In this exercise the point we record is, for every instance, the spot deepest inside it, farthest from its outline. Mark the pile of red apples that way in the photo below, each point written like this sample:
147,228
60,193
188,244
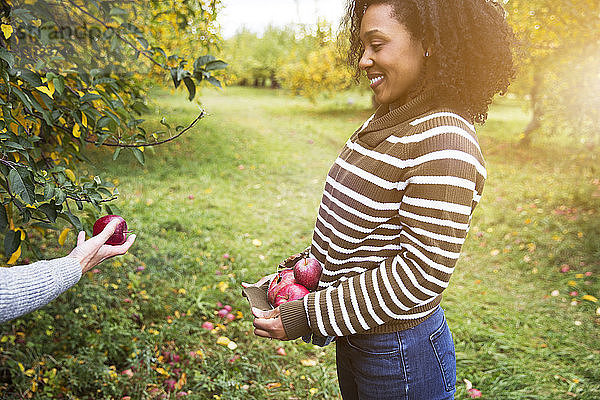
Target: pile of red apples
294,283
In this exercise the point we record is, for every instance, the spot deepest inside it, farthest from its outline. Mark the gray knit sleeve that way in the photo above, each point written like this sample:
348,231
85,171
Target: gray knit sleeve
25,288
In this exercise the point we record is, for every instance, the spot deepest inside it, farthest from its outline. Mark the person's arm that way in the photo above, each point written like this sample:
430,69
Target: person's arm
435,214
26,288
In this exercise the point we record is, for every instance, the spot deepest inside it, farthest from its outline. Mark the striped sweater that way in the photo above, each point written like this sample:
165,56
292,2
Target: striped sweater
395,212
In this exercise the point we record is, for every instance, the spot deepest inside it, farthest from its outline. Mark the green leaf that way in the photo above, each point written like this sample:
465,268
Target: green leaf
49,210
17,186
12,241
89,97
214,81
73,220
48,191
24,98
175,76
59,196
116,153
139,155
163,121
143,41
7,56
191,87
3,218
214,65
102,122
29,76
116,11
160,50
203,60
59,85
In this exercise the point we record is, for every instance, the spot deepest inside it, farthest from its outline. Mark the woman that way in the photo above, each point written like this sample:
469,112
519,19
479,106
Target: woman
26,288
399,199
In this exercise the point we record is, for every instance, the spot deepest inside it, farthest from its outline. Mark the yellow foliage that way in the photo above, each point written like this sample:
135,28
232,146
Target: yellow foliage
15,256
70,175
322,71
7,30
63,236
76,131
47,90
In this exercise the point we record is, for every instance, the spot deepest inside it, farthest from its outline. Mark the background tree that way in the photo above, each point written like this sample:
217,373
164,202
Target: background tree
322,69
308,60
559,55
67,86
257,61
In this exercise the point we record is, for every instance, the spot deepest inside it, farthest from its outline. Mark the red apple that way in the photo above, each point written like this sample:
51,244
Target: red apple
284,278
290,292
307,272
120,234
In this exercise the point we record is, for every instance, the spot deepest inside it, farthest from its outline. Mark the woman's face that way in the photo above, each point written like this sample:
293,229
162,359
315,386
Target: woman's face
391,59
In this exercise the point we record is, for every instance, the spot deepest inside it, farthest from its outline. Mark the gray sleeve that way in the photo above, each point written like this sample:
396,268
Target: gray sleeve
25,288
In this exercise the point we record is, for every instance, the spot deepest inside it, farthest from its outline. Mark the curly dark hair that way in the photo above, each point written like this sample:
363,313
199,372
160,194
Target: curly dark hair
469,42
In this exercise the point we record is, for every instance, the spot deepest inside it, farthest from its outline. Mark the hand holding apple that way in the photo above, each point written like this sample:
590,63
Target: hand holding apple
93,251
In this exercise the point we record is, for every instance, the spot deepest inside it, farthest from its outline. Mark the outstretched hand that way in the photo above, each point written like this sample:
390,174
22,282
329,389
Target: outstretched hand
93,251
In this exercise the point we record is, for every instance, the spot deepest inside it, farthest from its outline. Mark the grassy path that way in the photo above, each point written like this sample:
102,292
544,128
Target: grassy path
226,203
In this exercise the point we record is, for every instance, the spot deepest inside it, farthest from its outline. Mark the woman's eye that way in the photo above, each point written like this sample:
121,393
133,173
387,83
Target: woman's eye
376,46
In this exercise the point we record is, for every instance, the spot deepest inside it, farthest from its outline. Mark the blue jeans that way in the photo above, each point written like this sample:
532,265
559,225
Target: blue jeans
416,364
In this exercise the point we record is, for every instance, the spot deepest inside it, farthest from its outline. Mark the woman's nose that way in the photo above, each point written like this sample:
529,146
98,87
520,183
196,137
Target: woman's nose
365,61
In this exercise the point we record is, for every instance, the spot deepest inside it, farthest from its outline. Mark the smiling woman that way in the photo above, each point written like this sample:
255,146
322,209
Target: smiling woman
399,199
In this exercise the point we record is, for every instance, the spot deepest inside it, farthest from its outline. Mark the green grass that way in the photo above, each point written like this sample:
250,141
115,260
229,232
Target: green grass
246,183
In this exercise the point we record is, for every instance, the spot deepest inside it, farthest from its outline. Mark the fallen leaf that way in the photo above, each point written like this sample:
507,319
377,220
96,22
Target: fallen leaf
223,340
589,298
273,385
310,362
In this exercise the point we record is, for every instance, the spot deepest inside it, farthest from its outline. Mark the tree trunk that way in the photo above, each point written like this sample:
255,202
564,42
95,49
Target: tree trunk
274,82
536,107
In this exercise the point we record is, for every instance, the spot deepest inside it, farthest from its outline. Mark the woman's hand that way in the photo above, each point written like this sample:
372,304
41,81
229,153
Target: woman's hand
93,251
268,324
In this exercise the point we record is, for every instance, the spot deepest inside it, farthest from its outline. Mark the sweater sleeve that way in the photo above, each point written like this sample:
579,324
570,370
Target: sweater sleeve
25,288
435,212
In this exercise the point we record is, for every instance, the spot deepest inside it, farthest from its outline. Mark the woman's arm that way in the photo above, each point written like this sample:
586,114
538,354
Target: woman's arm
25,288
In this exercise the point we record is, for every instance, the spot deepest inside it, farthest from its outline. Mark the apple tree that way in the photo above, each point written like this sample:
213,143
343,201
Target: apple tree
74,77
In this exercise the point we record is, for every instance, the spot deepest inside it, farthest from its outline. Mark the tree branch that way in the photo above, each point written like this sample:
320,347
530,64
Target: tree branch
199,117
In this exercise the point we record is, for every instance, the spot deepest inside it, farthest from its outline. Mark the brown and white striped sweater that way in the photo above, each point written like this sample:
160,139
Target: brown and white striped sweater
394,214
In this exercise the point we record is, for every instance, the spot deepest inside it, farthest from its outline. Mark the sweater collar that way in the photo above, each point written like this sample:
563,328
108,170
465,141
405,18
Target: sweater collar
393,114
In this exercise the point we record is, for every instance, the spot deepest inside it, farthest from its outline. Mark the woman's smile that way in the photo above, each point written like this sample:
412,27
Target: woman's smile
375,80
